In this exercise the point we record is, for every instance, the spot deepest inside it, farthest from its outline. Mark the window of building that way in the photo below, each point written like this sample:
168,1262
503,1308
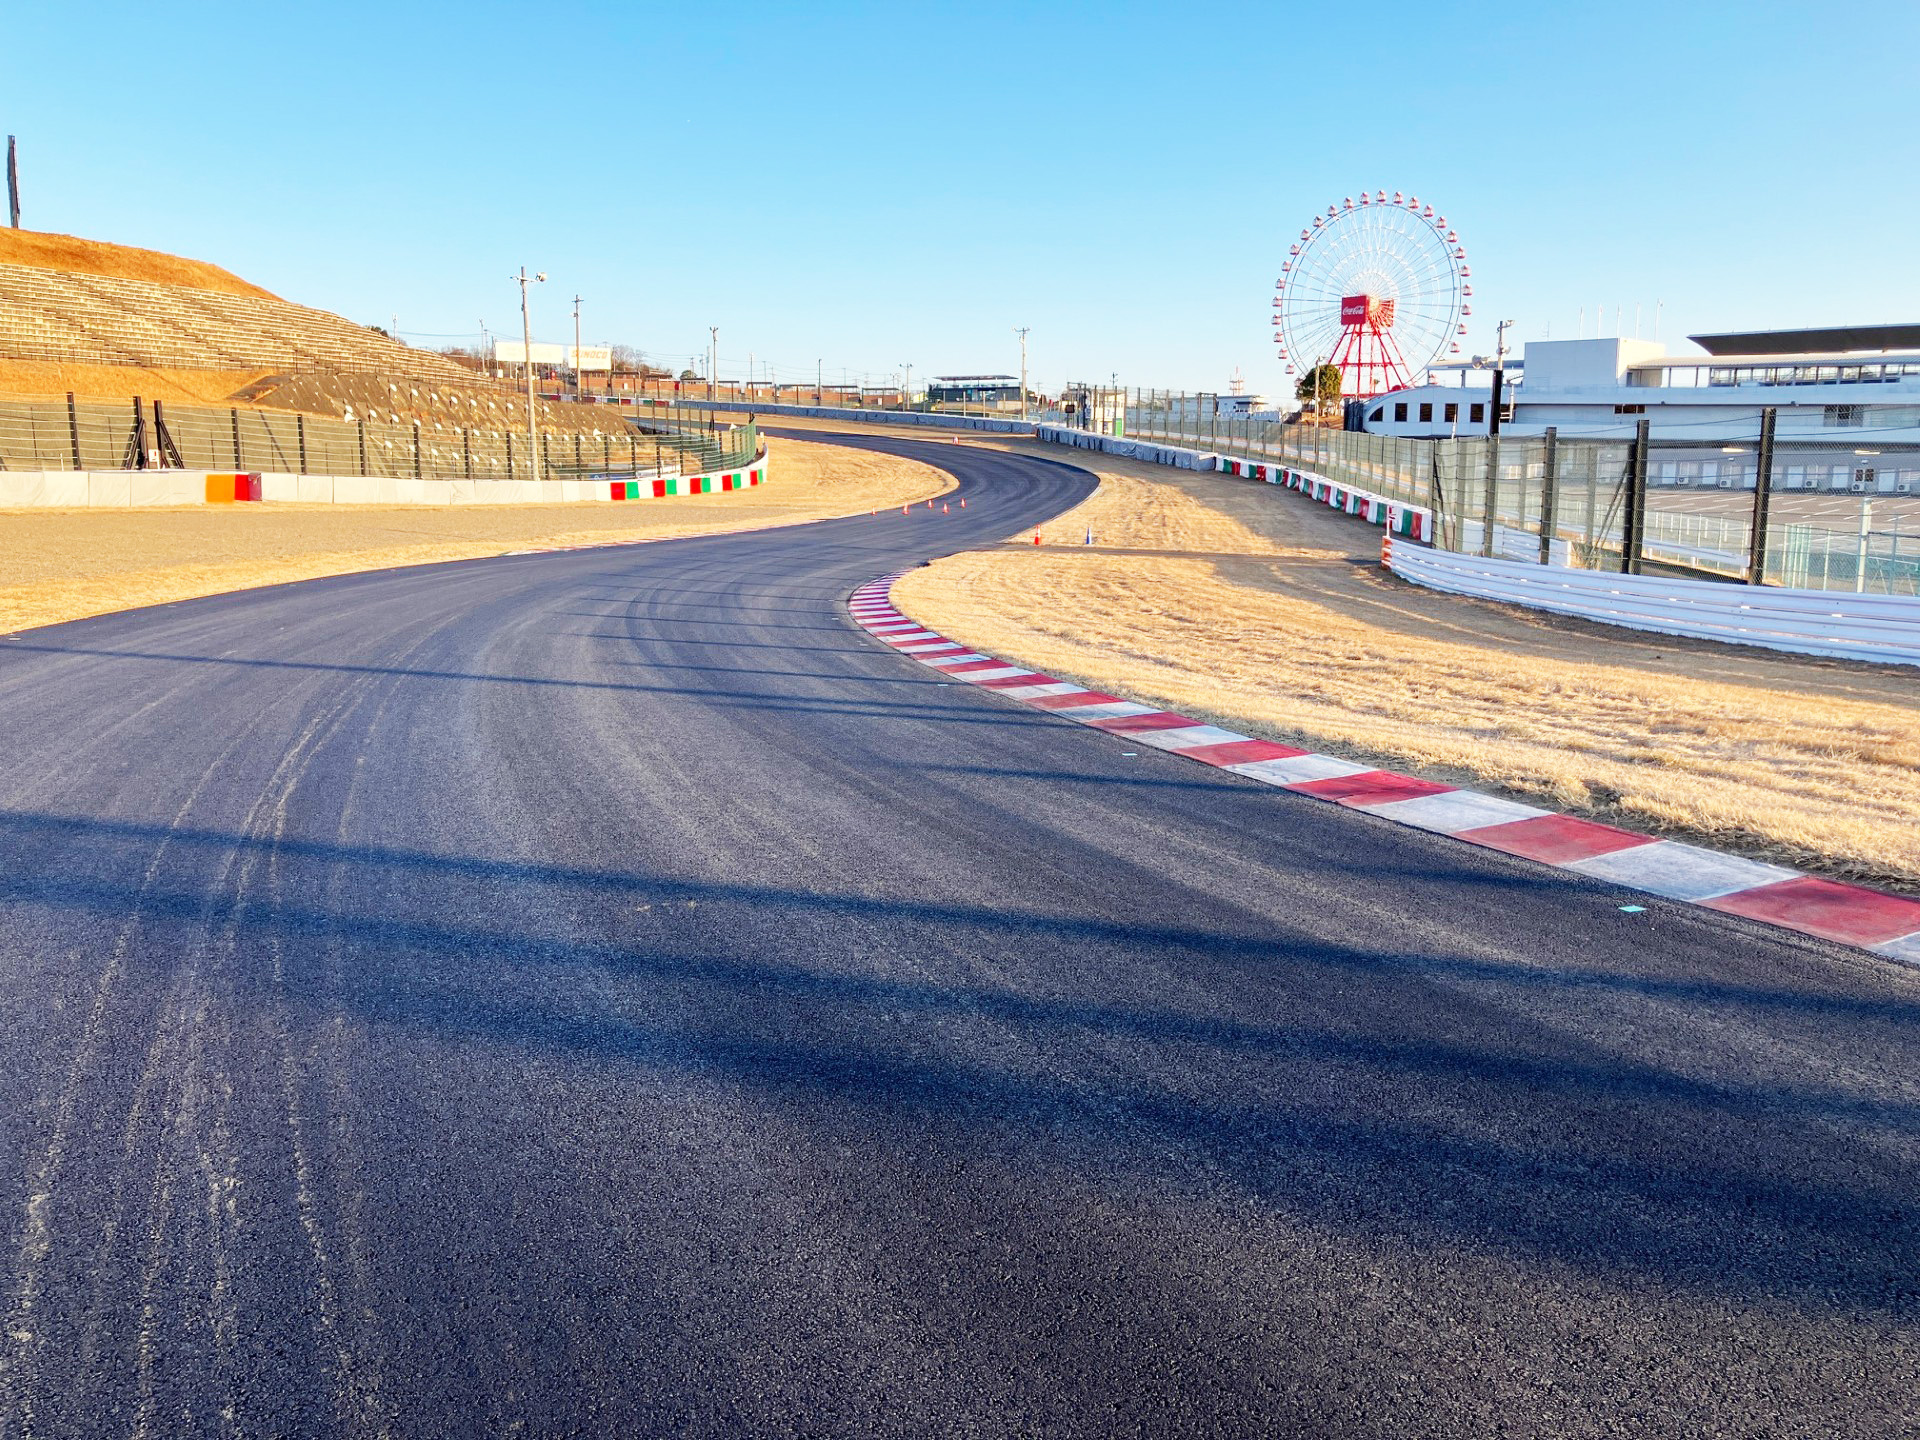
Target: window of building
1629,409
1400,411
1476,413
1450,413
1845,414
1426,412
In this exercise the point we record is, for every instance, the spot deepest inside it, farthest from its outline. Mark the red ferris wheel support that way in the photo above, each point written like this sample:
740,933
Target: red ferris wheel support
1366,356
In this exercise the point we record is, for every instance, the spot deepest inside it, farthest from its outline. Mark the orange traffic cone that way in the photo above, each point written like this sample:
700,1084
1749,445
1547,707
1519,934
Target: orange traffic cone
1036,536
943,510
963,502
903,509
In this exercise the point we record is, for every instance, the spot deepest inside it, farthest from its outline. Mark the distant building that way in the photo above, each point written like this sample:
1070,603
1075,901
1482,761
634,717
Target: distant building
974,392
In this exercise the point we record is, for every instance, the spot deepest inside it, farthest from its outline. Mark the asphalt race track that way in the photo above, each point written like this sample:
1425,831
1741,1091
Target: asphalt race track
606,993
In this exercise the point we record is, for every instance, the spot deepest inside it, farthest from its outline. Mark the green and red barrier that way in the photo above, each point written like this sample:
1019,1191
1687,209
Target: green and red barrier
718,483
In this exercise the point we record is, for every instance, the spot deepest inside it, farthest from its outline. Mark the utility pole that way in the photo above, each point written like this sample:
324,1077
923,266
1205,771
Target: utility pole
1021,331
13,181
526,356
906,394
576,347
713,366
819,375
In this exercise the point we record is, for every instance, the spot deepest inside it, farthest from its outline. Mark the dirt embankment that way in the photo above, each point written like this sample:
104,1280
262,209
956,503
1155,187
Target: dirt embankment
60,565
45,250
1260,610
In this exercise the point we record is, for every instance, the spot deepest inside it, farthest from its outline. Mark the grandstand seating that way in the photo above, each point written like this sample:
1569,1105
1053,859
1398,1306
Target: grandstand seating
320,363
113,320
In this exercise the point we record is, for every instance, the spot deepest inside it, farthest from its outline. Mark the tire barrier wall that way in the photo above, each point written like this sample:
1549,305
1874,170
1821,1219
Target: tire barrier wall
123,489
1880,628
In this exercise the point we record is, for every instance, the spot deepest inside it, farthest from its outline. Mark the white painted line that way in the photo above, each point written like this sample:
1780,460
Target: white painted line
1907,948
1004,672
1451,813
1184,737
907,635
1680,872
965,657
1106,710
1034,692
1295,769
928,647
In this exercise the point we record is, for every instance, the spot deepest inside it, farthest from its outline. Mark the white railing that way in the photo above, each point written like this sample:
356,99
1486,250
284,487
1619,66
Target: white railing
1882,628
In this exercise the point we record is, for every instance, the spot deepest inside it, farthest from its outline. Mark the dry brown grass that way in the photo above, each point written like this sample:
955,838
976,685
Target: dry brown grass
47,379
45,250
60,565
1258,609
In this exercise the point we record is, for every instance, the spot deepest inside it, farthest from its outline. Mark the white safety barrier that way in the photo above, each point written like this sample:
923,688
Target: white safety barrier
122,489
1150,451
913,419
1881,628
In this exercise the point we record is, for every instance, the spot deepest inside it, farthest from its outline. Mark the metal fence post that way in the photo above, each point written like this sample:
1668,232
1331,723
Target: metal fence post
362,425
73,431
509,455
1549,482
416,449
466,449
300,435
233,416
1493,495
1634,538
1762,500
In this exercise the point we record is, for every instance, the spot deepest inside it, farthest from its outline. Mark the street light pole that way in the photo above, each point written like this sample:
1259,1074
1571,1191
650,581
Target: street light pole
1021,331
526,357
576,347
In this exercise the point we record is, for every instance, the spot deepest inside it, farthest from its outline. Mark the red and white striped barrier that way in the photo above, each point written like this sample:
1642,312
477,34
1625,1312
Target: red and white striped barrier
1886,924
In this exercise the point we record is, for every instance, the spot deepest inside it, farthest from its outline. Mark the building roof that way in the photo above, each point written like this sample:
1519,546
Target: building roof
1847,338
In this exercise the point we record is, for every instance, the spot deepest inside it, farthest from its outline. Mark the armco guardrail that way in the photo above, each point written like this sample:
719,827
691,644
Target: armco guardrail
1881,628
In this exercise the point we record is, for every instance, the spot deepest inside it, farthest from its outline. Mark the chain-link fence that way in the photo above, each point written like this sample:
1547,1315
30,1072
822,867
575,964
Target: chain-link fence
1832,516
75,434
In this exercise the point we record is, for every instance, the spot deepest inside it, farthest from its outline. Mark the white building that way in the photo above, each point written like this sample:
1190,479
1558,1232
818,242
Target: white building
1842,397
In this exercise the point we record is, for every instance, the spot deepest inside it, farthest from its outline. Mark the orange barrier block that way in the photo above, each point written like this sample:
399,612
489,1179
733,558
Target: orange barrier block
225,489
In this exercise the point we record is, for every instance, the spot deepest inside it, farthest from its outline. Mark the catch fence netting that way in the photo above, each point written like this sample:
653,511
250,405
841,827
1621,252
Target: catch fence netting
1838,516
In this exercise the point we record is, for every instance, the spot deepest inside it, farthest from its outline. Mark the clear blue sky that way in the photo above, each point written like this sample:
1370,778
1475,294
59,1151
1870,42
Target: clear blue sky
873,185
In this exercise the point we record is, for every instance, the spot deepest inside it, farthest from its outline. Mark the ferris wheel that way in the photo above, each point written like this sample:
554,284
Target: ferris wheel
1378,288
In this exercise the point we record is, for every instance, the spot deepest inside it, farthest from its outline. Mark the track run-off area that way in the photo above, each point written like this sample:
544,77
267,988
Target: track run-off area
608,993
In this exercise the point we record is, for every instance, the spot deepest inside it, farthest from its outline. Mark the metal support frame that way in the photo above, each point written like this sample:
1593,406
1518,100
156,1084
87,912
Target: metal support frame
233,415
1633,536
135,455
163,439
1492,496
73,431
1549,493
1762,500
300,435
